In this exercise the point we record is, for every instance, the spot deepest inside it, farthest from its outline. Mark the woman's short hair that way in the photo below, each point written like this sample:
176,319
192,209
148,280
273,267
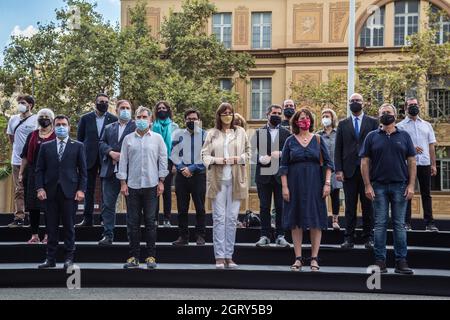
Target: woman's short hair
296,116
222,108
46,113
334,119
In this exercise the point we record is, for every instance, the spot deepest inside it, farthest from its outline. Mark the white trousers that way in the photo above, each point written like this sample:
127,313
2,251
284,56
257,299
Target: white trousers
225,216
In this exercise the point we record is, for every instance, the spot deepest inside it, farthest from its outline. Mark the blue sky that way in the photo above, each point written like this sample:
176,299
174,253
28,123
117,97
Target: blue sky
21,16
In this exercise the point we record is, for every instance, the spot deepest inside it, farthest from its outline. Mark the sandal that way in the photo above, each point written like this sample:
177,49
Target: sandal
295,266
315,268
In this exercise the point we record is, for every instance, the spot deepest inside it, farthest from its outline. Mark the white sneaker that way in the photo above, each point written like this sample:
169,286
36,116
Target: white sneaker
263,242
281,242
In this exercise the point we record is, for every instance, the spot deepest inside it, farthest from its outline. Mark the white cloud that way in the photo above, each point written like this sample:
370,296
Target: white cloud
27,32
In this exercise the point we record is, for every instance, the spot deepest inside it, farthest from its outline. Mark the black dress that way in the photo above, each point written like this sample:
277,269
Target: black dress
306,208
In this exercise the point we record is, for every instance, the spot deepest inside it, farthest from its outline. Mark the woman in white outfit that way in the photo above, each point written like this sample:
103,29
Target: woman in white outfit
225,154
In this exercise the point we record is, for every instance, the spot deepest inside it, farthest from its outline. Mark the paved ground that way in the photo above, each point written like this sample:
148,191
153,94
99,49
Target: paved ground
192,294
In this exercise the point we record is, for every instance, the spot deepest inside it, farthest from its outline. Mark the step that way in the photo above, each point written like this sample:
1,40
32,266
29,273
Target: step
247,276
330,255
244,235
417,224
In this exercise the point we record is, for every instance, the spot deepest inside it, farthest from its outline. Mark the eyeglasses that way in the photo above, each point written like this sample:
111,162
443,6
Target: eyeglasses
226,114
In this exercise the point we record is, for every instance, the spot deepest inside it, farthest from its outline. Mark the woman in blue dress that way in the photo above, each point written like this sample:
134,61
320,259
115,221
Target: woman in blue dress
304,189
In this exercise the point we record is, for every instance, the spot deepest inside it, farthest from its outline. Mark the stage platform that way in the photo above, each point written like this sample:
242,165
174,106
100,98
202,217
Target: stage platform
193,266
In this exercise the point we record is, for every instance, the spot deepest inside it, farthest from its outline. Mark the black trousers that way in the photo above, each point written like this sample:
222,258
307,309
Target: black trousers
354,187
424,177
265,191
167,194
185,188
92,175
141,202
35,217
335,201
59,208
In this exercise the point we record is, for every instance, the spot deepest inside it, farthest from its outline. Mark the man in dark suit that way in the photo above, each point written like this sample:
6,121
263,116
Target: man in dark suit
350,137
61,178
90,129
267,144
110,147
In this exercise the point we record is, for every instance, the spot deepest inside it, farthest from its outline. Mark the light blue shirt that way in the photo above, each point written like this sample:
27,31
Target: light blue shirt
360,117
422,135
143,160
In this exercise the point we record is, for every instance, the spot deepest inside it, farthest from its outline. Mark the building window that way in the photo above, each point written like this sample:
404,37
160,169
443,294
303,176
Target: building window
261,30
439,103
225,84
443,26
253,175
261,97
406,21
222,28
372,34
445,174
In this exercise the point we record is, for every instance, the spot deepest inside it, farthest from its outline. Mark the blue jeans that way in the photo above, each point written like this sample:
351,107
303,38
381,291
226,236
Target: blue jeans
111,190
390,194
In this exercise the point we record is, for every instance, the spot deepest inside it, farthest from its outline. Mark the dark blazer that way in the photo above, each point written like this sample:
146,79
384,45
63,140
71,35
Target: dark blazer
110,142
70,173
258,150
88,134
346,154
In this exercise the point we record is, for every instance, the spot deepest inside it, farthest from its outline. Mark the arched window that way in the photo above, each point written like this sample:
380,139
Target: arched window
372,33
443,25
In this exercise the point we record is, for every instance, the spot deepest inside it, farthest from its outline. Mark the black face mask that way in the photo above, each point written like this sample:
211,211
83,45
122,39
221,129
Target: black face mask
190,125
387,119
275,120
163,115
44,123
413,109
102,107
288,113
355,107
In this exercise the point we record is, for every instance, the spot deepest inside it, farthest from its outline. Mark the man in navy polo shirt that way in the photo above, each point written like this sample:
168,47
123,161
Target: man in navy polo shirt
388,168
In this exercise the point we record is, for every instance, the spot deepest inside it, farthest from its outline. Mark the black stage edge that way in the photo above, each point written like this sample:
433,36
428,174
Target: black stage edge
244,235
248,277
417,224
418,257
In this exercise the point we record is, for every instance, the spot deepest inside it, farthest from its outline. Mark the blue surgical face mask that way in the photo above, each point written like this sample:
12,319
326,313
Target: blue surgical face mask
142,124
125,115
61,132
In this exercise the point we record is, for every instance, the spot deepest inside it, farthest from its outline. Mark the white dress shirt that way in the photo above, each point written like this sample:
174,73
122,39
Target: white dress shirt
122,128
143,160
100,121
227,172
273,135
58,142
422,135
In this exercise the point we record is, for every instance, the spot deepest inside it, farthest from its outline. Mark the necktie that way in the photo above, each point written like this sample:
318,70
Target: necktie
60,150
356,128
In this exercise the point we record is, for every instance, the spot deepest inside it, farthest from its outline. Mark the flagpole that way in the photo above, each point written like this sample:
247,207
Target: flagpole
351,53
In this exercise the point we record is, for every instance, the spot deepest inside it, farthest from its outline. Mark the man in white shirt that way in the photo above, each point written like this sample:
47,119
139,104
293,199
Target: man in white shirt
142,170
19,127
422,135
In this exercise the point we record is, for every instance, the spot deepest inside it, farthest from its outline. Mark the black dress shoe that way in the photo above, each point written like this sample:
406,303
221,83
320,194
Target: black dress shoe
105,242
68,263
401,267
382,265
347,244
369,245
47,264
85,223
181,241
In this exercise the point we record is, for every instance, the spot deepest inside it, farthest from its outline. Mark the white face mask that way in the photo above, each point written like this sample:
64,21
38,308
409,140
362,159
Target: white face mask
22,108
326,122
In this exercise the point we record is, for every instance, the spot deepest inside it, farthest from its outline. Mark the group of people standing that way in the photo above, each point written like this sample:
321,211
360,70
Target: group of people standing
298,164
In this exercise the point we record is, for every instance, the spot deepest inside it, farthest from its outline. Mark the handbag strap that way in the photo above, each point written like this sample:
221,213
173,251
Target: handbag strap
20,123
